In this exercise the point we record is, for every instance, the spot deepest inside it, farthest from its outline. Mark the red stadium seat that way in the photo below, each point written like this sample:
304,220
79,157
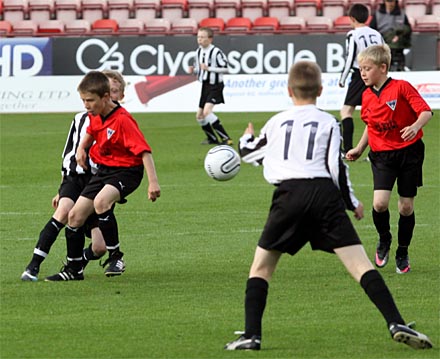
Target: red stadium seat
227,9
24,28
130,27
370,4
214,23
416,8
184,26
77,27
427,23
265,24
200,9
67,10
51,27
119,9
40,10
253,8
146,9
173,9
157,26
279,8
238,25
5,28
333,8
93,10
319,24
107,26
435,7
307,8
15,10
292,24
342,24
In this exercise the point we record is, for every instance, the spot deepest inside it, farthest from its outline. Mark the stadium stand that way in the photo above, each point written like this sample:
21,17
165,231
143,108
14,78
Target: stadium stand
24,28
200,9
158,26
184,26
130,27
238,26
227,9
279,8
293,24
319,24
253,9
93,10
15,10
67,10
333,8
50,27
265,24
342,24
77,27
416,8
435,7
146,9
427,23
104,26
173,9
40,10
5,28
119,9
214,23
307,8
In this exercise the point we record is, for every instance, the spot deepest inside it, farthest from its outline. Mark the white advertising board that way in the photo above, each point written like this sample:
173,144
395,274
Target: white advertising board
243,93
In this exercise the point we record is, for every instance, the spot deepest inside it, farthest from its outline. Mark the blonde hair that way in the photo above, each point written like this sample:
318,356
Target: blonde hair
377,54
305,79
115,75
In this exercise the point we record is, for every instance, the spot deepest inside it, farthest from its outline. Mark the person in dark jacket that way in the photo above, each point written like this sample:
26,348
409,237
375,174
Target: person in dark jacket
391,21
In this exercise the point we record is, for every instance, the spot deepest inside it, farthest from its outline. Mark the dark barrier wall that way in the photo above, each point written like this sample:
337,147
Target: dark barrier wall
171,55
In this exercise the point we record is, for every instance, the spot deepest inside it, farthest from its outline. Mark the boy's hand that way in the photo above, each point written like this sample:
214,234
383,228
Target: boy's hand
81,158
55,201
359,211
353,154
249,129
153,191
409,132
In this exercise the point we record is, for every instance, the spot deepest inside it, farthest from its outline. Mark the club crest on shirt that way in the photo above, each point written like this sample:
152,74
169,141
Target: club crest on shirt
110,133
392,104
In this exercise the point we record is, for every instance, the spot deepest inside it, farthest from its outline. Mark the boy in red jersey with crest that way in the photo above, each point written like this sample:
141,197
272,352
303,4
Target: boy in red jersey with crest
121,152
394,113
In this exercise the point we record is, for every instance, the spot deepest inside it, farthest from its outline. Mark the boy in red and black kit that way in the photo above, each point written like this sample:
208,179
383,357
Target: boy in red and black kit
394,113
121,153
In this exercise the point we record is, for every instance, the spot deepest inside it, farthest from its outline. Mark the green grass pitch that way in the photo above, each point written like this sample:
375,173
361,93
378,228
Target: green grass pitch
188,257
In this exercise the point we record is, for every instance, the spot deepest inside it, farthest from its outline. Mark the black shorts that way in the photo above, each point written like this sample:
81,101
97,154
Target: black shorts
405,165
307,210
211,94
72,186
356,88
125,179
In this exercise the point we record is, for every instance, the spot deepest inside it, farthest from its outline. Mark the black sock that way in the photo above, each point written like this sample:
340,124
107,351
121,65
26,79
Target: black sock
255,302
382,223
109,229
48,236
209,132
75,243
89,255
347,133
379,294
221,132
405,233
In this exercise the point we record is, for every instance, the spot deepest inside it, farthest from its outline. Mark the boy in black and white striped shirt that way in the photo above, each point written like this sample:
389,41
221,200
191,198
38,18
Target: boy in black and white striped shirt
209,66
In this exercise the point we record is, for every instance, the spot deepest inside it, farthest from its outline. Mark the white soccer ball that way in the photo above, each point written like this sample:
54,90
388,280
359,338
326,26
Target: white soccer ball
222,163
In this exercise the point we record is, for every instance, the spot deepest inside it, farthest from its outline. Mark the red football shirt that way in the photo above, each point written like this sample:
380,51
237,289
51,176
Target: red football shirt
118,140
387,111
